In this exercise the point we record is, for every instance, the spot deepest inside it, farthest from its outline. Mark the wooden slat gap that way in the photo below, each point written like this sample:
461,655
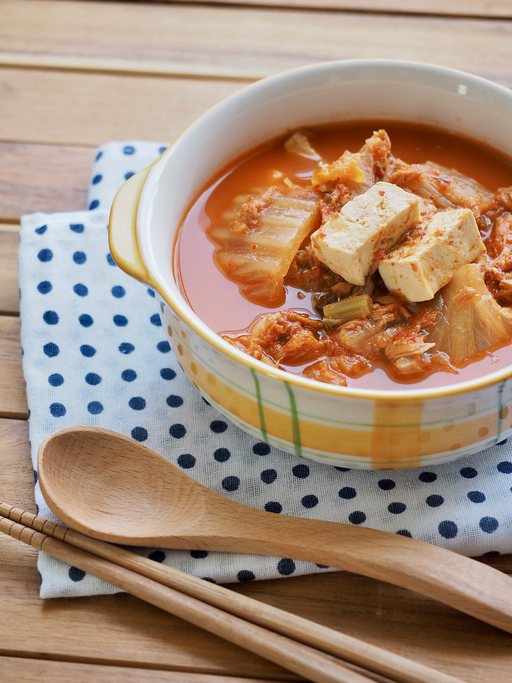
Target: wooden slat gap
201,670
120,67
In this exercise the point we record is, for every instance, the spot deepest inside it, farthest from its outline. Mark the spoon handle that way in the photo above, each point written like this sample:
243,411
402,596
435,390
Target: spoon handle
466,584
355,651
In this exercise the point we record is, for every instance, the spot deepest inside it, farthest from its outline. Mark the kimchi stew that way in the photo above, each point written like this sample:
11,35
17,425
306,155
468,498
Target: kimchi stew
357,255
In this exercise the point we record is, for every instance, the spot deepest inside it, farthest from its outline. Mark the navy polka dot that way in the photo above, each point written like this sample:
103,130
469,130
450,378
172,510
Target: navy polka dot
448,529
41,230
95,407
476,496
151,293
163,347
286,567
51,350
94,204
396,508
404,532
347,493
85,320
50,317
230,483
274,507
357,517
434,501
120,320
77,227
245,575
92,378
167,373
81,290
118,291
488,524
502,443
128,375
268,476
76,574
505,467
45,255
139,433
218,426
177,430
186,460
57,410
261,448
99,155
427,477
128,149
79,257
342,469
87,351
207,578
110,260
44,287
161,150
126,348
137,403
56,379
157,556
128,175
97,179
174,401
155,320
222,455
198,554
300,471
386,484
468,472
310,501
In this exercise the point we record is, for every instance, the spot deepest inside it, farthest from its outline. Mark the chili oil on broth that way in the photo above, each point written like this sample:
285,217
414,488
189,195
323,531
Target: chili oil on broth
218,301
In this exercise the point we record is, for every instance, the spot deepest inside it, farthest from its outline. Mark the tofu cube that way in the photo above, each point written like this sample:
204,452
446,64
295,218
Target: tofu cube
417,270
351,242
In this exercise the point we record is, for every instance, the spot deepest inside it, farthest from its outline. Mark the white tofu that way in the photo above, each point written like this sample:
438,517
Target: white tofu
419,269
353,240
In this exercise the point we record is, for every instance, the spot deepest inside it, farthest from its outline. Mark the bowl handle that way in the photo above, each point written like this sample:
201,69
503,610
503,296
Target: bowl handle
122,231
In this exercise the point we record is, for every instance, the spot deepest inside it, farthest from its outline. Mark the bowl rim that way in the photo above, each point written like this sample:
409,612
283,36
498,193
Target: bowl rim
185,311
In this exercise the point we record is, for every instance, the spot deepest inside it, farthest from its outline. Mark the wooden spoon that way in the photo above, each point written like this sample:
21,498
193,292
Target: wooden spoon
112,488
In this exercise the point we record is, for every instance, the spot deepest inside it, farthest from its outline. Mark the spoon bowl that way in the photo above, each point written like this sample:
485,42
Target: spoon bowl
113,488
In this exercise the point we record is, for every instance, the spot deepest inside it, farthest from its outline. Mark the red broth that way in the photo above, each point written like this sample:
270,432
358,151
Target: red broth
218,301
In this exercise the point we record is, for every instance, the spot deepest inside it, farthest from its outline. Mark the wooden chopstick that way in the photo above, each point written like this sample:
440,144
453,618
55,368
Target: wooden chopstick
165,587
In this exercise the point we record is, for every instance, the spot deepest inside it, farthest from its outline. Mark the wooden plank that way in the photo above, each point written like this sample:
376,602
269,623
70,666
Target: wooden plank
13,398
43,671
62,108
9,291
42,178
248,42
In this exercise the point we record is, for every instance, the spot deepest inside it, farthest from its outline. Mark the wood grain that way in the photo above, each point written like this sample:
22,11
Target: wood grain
13,401
9,290
243,41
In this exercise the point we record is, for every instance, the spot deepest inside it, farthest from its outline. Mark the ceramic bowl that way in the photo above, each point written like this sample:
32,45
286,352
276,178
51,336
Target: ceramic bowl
340,426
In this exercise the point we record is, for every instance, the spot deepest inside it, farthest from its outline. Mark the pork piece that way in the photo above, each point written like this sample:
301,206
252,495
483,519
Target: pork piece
420,267
284,337
446,187
406,350
358,171
308,273
260,236
498,271
351,242
335,370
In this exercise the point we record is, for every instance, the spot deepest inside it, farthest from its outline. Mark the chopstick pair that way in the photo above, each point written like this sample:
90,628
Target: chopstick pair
318,653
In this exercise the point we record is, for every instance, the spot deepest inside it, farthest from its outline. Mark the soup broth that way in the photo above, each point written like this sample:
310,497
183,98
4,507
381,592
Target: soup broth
230,306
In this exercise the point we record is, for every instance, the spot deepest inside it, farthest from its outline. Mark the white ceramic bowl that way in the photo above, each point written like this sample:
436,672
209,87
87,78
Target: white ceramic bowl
335,425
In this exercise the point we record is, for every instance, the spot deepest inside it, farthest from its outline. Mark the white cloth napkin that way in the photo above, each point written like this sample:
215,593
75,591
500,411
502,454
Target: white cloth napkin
95,353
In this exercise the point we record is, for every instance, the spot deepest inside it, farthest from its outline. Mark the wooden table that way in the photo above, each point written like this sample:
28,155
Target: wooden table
74,74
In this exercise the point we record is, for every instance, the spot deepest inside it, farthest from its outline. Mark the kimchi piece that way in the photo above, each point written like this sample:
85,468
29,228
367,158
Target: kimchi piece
262,233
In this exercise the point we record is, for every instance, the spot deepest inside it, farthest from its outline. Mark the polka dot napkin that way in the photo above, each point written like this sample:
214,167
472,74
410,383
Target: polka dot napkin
95,353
